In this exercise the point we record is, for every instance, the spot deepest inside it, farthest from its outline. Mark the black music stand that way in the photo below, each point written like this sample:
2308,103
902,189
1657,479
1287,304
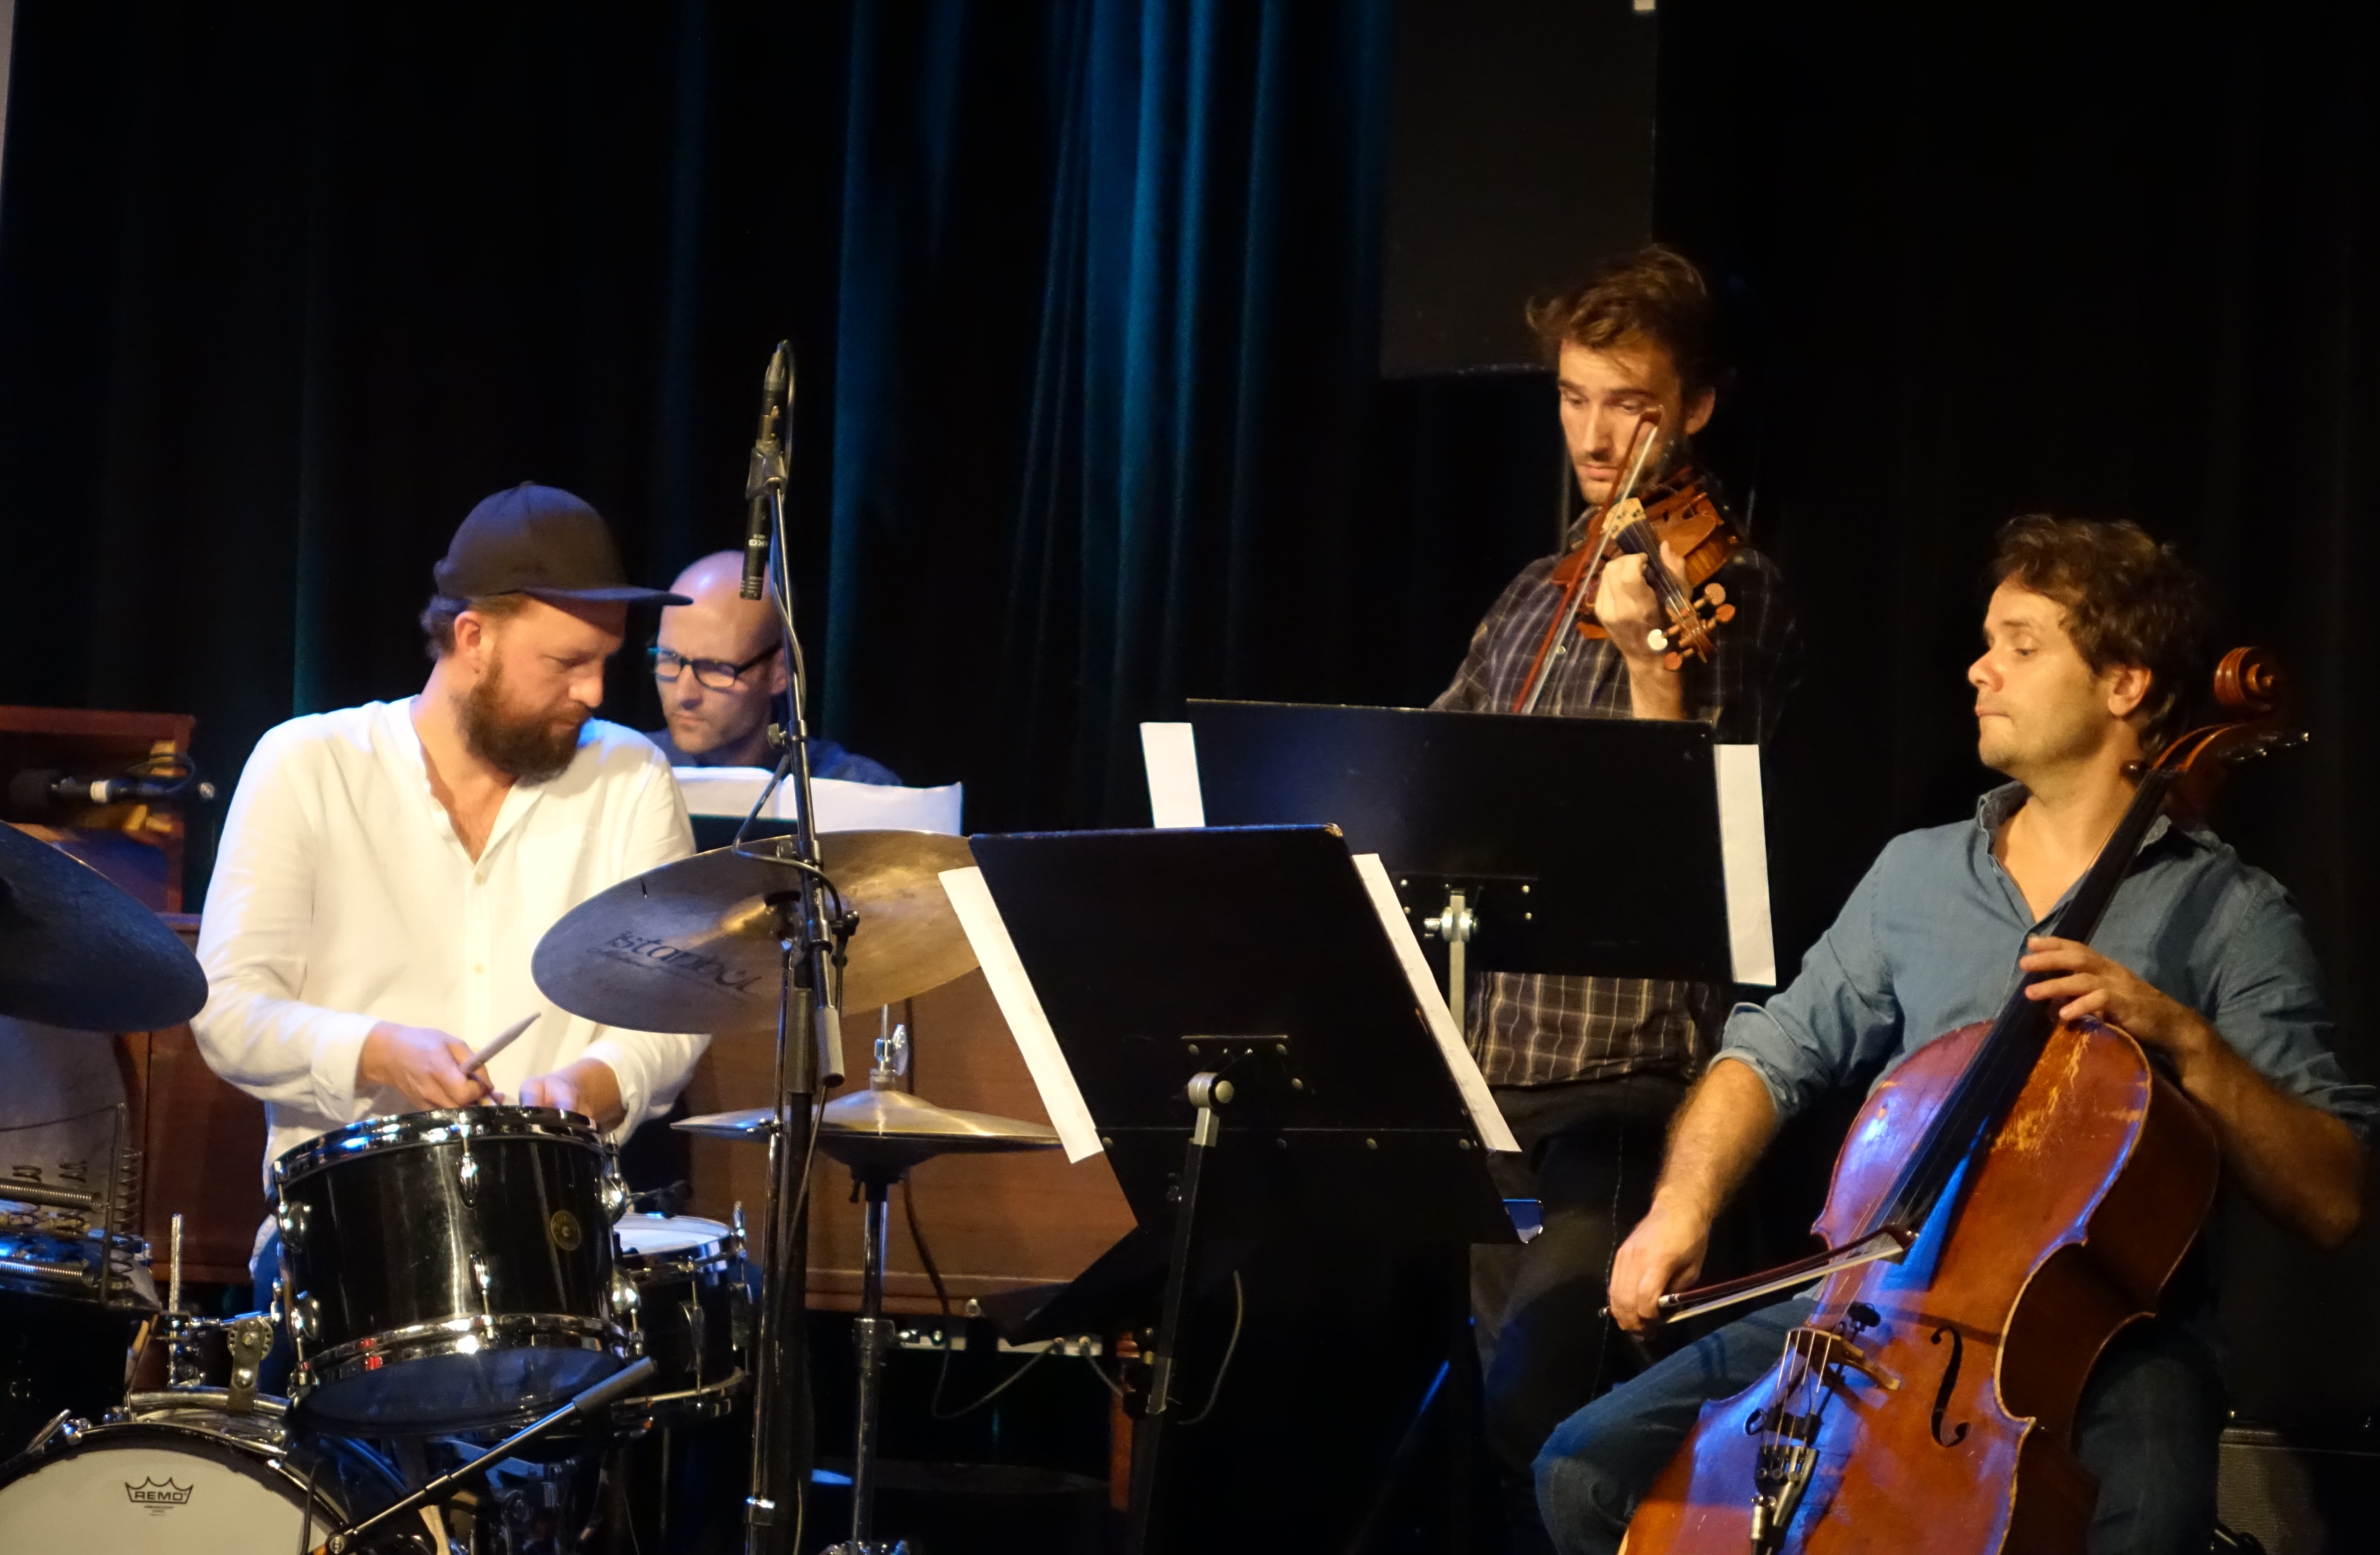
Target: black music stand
1576,846
1249,1046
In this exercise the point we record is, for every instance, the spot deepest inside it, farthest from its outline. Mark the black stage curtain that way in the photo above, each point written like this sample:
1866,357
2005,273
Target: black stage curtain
1085,297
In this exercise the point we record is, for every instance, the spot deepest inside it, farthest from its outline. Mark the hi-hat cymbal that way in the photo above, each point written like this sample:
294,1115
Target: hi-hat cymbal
692,946
887,1131
76,951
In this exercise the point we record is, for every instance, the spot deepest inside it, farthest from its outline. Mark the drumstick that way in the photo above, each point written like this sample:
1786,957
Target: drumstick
502,1040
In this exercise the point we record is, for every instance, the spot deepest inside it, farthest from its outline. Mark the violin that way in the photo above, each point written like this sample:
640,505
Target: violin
2006,1201
1678,513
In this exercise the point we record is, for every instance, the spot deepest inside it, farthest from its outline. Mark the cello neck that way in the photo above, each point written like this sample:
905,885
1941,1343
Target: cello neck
2019,1033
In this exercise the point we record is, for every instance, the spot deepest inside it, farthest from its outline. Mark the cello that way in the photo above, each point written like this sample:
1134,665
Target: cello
2007,1200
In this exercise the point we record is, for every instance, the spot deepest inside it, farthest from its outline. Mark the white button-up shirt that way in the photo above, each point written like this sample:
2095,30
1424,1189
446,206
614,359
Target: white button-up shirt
341,898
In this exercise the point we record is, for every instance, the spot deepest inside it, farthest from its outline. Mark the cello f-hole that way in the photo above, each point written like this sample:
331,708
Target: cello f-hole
1949,1381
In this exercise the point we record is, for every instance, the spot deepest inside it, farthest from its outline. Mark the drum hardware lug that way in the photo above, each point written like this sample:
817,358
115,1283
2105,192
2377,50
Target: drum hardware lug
615,1195
624,1301
466,1177
304,1317
480,1278
182,1370
290,1219
251,1338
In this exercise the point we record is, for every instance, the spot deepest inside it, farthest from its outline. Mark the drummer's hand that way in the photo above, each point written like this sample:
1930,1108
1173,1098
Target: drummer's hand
1663,1253
420,1064
588,1088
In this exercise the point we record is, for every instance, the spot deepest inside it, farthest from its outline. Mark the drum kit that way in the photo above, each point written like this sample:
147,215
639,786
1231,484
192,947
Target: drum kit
490,1348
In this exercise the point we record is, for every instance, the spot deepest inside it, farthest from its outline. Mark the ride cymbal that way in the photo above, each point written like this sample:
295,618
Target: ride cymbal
693,946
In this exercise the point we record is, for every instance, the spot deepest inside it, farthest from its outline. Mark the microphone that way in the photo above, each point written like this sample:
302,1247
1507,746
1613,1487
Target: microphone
768,467
46,788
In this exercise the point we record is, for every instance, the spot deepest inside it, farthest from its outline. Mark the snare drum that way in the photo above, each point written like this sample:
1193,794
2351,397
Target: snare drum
449,1270
197,1485
693,1309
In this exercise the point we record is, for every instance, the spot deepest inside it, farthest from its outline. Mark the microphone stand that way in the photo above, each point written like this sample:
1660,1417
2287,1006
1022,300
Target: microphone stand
808,1059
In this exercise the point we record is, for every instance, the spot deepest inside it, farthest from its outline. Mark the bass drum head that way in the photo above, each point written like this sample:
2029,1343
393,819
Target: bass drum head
152,1486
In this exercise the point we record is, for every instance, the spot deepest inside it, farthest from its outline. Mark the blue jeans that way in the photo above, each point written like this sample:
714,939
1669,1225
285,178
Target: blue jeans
2147,1426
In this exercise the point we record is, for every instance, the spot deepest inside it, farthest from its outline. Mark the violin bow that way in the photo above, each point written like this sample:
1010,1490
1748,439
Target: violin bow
1647,436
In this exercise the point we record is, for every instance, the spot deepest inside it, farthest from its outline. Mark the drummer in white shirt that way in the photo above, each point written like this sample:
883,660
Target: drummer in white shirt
385,872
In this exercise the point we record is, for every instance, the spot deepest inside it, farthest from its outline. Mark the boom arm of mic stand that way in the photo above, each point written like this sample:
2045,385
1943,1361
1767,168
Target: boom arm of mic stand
593,1402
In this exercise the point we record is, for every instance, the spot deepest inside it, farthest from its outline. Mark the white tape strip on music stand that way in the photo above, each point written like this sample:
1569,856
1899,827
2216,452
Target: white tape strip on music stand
1743,858
1172,758
1486,1116
1021,1007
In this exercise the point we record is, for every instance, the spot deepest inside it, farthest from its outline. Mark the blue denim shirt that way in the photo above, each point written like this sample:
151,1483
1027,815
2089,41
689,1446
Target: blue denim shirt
1928,944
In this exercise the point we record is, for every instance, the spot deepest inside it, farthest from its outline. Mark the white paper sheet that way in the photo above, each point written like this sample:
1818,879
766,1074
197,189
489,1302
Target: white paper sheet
1173,761
1485,1116
842,807
1743,858
1012,991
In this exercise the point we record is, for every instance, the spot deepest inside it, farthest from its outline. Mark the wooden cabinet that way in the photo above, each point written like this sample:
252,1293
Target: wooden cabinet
994,1222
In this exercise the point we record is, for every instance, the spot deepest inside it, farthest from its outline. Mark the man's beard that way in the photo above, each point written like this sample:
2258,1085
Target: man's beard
531,749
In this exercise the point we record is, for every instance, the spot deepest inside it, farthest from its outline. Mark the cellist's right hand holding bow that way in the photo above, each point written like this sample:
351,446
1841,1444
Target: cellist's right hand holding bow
1663,1254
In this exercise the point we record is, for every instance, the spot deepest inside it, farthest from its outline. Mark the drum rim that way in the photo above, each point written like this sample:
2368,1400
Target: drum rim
80,1435
463,1334
690,1260
150,1402
445,1126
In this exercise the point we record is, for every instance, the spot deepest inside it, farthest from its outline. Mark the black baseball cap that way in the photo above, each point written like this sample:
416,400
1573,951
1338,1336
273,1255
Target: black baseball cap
541,540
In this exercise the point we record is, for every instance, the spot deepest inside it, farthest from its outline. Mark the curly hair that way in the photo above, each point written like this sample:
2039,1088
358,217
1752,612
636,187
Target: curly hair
1654,294
2129,600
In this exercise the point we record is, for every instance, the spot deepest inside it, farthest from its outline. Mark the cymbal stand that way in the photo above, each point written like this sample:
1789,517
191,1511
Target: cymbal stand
872,1329
812,938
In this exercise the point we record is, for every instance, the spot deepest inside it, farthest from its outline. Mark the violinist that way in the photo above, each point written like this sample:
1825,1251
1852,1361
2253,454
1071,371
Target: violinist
2089,643
1588,1069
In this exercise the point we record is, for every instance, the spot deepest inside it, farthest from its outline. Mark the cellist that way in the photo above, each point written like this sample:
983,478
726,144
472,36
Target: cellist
2089,641
1588,1069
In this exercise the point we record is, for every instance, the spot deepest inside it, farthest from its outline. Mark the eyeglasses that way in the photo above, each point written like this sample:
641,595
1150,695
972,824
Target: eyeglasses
716,674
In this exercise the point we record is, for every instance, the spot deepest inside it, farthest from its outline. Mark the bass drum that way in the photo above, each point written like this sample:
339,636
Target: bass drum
194,1486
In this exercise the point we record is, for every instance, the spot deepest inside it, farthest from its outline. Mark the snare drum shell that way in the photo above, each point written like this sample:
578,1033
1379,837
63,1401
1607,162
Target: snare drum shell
448,1269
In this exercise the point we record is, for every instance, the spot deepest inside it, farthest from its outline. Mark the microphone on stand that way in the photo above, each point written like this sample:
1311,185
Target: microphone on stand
768,467
44,789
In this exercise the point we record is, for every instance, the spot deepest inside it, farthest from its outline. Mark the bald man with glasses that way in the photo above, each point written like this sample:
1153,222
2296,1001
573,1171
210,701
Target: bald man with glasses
721,677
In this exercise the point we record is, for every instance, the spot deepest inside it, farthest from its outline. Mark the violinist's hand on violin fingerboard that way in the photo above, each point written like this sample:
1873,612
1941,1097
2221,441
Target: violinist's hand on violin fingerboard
1627,607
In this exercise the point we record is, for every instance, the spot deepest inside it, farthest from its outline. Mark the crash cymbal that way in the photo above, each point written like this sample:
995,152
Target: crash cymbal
76,951
887,1131
692,946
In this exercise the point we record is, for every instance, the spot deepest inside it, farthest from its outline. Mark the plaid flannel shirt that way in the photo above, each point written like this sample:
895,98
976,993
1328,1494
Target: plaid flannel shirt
1531,1029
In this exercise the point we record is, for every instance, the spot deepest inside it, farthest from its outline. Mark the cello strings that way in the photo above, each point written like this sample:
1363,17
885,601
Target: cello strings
2020,1034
